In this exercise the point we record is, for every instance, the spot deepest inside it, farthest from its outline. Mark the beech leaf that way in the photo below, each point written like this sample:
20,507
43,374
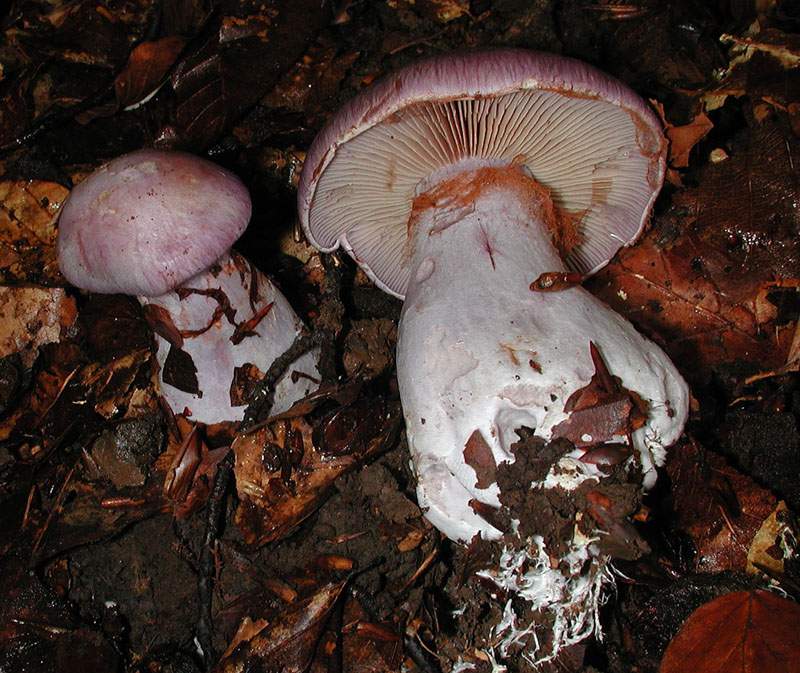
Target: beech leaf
740,632
146,70
700,281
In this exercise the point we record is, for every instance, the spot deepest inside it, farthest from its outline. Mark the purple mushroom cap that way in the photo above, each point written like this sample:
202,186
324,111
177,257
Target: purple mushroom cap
587,138
147,221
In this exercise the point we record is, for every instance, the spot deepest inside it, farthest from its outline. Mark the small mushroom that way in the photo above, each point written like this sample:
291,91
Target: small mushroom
456,184
159,225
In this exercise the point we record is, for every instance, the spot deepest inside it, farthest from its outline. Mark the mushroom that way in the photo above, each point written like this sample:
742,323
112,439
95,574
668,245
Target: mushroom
159,225
466,185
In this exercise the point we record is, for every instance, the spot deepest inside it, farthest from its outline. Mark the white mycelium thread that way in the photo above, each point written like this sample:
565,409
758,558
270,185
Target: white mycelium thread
570,596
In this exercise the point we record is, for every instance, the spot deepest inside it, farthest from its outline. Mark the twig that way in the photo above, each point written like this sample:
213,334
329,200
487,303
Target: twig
205,584
324,336
419,655
263,396
55,509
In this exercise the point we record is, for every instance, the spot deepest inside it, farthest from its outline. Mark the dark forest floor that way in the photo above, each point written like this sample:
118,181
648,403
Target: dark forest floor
108,564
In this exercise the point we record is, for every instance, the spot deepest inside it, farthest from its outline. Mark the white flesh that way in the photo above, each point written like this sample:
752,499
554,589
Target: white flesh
470,328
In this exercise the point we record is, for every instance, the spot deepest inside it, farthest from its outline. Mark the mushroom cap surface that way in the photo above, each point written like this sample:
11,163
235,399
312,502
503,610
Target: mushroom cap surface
591,141
147,221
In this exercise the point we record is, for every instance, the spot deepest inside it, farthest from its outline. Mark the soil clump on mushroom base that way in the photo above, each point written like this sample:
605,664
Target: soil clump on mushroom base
601,511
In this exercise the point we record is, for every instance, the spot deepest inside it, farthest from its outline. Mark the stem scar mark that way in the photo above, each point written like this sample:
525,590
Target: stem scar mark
487,245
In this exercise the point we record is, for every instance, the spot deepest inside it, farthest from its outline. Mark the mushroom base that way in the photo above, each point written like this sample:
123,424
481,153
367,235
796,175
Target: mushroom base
217,335
480,355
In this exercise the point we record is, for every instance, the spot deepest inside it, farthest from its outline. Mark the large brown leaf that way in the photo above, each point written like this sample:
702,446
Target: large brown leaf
701,279
741,632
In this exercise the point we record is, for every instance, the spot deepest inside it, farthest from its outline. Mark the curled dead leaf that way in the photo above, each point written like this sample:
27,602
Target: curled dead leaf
284,471
146,70
720,508
287,644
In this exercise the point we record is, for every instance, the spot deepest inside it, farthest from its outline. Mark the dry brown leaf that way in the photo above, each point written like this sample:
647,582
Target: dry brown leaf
721,509
784,47
766,553
248,629
601,410
28,212
112,384
683,138
60,364
31,317
740,632
442,11
284,471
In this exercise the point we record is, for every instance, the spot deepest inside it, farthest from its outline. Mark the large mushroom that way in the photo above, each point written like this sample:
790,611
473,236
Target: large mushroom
464,184
159,225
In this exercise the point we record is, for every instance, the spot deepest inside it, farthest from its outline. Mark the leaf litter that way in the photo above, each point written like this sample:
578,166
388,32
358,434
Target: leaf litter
319,558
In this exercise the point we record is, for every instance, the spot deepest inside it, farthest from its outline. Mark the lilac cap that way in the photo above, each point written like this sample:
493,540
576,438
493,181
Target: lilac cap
147,221
590,140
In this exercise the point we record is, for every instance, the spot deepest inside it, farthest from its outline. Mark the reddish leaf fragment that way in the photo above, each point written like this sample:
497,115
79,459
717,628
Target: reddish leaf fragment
683,138
161,323
601,410
181,372
334,562
594,425
146,69
740,632
186,458
223,308
246,328
245,380
607,454
478,455
488,513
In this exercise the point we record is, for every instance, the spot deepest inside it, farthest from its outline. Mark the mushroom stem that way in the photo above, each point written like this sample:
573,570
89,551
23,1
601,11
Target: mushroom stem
218,333
478,351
